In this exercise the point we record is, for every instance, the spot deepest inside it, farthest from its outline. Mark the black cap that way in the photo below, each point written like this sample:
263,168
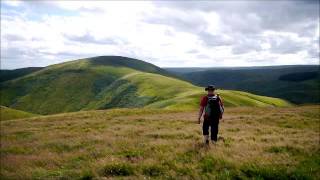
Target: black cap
210,87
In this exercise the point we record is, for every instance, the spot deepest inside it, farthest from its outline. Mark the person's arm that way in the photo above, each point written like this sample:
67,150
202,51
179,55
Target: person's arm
222,106
200,114
202,105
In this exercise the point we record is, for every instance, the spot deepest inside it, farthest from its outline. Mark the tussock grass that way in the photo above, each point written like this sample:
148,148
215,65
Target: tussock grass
284,149
122,169
153,170
163,144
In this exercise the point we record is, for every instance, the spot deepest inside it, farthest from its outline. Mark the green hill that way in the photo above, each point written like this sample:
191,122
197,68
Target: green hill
297,83
109,82
6,75
9,113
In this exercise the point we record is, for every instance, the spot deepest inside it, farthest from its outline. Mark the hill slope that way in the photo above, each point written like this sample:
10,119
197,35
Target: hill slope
258,143
108,82
6,75
9,113
298,84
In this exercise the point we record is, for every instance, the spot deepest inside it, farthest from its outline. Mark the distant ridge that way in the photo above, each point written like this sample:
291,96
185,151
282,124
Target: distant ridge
106,82
296,83
120,61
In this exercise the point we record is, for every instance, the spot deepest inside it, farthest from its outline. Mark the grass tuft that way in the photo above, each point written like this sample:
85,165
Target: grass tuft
207,164
275,172
153,170
87,175
284,149
119,169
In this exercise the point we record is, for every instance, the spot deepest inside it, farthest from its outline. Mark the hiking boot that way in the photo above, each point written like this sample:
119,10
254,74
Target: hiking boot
213,142
206,139
207,142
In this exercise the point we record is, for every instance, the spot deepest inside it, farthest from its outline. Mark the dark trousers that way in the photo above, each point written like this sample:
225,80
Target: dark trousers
213,123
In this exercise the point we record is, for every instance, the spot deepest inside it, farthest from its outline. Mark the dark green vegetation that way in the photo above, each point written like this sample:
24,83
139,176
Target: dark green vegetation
301,76
298,84
257,143
110,82
9,113
6,75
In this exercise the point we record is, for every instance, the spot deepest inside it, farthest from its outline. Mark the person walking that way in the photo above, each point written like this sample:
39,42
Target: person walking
213,109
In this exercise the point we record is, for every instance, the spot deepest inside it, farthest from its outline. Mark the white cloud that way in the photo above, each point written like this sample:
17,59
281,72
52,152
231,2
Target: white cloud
12,2
163,33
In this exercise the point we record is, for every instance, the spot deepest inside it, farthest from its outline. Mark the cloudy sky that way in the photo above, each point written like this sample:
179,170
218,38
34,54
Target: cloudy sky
167,34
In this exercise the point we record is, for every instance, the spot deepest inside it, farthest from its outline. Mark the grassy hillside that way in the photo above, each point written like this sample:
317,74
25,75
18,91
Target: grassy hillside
9,113
109,82
254,143
6,75
298,84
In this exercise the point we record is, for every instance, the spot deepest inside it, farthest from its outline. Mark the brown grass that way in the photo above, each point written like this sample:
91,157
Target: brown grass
168,144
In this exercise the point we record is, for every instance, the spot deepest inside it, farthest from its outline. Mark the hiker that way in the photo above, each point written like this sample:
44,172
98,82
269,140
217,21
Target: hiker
213,106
